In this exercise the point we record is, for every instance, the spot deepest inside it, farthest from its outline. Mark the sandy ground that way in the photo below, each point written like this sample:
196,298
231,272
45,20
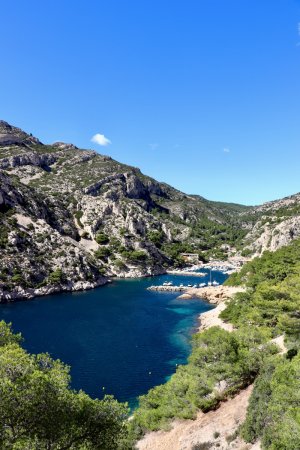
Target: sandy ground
24,221
280,342
216,427
88,244
211,319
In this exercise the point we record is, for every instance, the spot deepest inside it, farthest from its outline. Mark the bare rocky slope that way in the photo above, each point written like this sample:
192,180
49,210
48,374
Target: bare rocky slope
274,224
72,218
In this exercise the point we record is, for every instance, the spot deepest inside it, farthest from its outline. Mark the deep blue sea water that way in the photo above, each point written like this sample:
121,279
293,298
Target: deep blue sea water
120,336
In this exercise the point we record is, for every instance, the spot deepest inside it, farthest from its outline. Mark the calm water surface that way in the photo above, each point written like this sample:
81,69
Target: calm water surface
121,336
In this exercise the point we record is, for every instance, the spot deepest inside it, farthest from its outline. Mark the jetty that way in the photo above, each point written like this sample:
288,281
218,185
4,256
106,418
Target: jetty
168,288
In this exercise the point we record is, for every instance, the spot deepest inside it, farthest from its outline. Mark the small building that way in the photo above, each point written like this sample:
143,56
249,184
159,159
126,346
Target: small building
190,257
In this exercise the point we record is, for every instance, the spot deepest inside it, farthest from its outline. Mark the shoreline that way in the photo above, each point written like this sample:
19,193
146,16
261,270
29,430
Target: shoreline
211,318
22,294
18,293
218,427
224,420
218,296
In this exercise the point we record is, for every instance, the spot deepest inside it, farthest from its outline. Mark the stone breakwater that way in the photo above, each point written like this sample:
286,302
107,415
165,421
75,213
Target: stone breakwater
168,288
213,294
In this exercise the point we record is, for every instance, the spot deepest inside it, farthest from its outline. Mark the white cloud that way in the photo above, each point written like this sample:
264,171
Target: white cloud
153,146
100,139
226,150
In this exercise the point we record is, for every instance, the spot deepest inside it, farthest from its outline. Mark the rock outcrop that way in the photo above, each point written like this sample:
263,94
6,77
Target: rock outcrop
214,294
44,161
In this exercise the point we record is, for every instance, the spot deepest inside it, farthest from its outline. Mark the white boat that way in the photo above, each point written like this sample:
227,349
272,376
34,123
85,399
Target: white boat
215,283
209,283
189,285
202,285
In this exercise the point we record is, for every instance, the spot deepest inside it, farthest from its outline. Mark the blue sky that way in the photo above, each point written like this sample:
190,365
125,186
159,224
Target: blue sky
170,84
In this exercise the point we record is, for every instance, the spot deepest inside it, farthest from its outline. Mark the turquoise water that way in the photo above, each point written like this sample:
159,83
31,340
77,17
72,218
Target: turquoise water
120,336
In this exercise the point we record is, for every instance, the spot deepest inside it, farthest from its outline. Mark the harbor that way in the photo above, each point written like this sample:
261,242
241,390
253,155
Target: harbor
169,287
208,272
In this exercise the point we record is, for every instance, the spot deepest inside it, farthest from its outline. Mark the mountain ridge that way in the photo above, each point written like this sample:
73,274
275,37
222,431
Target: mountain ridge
72,218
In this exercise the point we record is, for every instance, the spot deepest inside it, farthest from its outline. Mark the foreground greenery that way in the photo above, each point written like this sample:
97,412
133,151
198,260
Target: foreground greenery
39,411
272,301
222,363
274,408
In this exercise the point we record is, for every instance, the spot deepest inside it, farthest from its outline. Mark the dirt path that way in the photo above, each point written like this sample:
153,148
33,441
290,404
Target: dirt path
215,427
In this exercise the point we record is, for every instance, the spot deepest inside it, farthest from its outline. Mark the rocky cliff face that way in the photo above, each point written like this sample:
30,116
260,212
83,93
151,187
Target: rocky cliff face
275,224
71,218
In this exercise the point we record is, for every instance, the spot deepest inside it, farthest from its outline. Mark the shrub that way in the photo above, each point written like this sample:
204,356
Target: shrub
134,256
56,277
156,237
78,215
46,413
17,278
102,239
102,253
118,263
273,412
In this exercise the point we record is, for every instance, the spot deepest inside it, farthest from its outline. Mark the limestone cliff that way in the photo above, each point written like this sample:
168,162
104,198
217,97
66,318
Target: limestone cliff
72,218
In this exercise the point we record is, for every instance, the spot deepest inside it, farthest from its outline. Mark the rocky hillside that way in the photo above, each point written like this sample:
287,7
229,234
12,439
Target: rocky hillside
71,218
275,224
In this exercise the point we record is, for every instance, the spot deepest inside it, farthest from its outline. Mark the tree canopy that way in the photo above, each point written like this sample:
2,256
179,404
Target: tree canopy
38,410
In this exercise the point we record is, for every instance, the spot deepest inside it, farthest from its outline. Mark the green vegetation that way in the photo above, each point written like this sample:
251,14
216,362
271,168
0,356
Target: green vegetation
214,234
39,411
217,356
174,249
78,215
134,256
3,236
102,238
56,277
156,237
272,299
272,303
273,413
102,253
269,307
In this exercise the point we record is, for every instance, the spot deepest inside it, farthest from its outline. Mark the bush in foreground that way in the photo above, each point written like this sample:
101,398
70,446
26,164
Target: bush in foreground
39,411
